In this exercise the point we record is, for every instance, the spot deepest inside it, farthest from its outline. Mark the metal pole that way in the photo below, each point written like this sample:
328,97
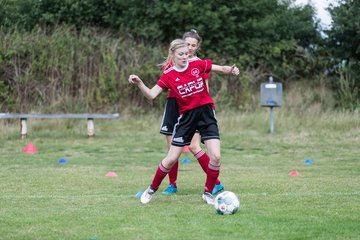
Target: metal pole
271,119
271,111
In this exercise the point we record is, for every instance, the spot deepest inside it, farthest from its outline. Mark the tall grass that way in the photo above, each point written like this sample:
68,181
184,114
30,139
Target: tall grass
348,92
66,70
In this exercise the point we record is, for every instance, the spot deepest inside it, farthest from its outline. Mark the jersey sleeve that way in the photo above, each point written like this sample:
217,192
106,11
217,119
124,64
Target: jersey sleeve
162,82
208,66
206,75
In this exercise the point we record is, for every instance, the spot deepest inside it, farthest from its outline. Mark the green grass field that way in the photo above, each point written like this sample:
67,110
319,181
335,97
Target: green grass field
41,198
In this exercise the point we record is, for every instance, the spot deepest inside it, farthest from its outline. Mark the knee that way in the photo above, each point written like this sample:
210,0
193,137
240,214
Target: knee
169,162
194,148
215,159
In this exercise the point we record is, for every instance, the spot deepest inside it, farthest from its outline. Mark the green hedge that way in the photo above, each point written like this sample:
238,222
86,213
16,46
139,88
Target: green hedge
53,52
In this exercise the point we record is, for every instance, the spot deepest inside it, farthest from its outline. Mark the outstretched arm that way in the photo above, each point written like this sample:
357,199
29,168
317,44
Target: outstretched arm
148,93
226,69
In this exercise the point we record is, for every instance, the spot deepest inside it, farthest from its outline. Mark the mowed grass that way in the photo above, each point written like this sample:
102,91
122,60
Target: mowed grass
41,198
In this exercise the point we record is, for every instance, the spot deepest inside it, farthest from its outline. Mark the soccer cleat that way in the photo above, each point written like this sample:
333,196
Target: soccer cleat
147,195
208,198
218,188
170,190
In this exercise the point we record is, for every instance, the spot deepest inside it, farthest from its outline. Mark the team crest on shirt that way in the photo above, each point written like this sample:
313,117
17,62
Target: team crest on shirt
195,72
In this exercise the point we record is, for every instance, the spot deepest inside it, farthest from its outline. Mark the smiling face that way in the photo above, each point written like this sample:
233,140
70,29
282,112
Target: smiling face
193,46
181,57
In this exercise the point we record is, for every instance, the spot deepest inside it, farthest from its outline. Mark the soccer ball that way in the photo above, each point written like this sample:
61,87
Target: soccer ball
227,203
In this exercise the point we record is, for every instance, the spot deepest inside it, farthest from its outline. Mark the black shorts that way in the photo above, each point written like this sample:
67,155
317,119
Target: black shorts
170,116
202,119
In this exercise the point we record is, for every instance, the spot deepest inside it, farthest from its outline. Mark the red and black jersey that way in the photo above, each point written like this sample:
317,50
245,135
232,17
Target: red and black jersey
188,84
205,76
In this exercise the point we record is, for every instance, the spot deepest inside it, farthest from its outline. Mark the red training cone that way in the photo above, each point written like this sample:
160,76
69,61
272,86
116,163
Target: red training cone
30,148
186,149
294,173
111,174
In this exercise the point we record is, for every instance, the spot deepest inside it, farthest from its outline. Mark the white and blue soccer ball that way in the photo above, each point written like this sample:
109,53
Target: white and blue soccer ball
227,203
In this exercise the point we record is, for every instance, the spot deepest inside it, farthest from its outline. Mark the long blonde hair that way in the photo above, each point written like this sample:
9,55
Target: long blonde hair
174,45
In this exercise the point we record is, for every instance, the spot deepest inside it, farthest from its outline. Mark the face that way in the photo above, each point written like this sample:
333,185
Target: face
181,57
193,45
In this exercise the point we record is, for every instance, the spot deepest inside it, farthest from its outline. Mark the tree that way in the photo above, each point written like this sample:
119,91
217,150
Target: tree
343,43
344,36
262,36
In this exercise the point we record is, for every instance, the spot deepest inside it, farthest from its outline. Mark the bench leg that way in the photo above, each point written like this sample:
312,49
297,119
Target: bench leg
23,128
90,127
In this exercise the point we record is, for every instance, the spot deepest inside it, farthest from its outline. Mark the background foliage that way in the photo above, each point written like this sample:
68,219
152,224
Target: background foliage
343,44
76,55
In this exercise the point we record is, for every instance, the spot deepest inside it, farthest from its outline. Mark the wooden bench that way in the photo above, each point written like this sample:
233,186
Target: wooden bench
90,119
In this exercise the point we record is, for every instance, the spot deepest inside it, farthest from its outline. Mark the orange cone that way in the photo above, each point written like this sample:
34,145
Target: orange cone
30,148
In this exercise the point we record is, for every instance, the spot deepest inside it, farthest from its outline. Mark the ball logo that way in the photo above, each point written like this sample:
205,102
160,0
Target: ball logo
227,203
195,72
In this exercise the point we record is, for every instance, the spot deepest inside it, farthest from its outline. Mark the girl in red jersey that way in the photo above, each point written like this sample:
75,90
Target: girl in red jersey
171,115
196,108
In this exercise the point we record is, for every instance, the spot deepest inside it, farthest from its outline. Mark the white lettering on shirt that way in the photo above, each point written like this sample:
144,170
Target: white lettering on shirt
191,88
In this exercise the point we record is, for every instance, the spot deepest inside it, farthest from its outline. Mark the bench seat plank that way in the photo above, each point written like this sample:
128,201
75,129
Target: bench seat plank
90,119
56,115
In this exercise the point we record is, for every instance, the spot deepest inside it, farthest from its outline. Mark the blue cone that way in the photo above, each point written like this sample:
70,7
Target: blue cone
308,161
186,160
62,161
138,194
